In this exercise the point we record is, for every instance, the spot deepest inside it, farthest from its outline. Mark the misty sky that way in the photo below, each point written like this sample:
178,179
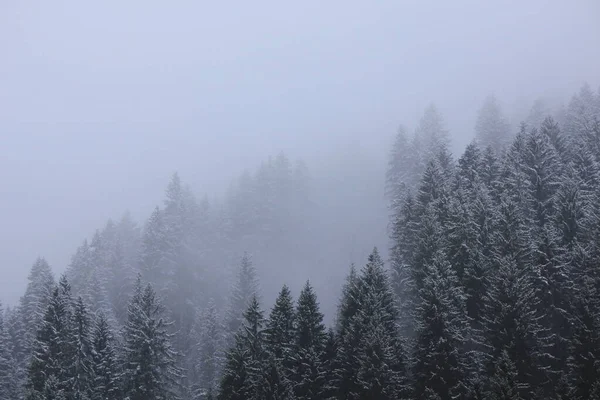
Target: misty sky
101,101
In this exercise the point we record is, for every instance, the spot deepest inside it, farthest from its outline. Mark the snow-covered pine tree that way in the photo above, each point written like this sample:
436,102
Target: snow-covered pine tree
80,267
431,134
348,305
50,366
14,330
280,330
82,363
9,381
210,350
440,363
243,291
358,370
34,302
583,113
150,370
307,374
107,371
245,360
492,128
504,383
380,352
404,170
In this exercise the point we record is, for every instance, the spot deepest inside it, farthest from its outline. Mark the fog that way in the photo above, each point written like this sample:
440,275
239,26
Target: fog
100,103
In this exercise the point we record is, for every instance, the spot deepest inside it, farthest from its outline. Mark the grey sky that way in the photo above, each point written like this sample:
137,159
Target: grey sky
101,101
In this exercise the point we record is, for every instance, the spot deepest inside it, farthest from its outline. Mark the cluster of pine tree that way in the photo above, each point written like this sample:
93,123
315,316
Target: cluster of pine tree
495,259
492,290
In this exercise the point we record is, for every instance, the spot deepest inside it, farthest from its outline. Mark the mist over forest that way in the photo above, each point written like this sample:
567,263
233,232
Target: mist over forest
313,201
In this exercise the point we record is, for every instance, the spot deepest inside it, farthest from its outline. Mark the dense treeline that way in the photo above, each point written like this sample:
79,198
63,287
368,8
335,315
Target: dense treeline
492,290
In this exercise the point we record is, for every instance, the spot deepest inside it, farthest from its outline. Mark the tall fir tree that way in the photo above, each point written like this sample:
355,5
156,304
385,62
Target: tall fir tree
82,362
51,364
245,360
280,330
107,371
308,371
243,291
35,300
492,128
440,365
150,368
210,352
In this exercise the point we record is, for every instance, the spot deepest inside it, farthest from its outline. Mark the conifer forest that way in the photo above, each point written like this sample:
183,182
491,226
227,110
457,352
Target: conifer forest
390,200
491,289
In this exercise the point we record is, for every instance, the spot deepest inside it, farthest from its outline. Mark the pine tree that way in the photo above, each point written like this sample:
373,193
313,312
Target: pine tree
82,363
35,300
403,171
431,133
210,350
150,365
357,367
582,113
154,249
512,324
504,383
50,367
107,382
440,366
244,289
308,373
491,128
280,329
245,360
14,331
8,365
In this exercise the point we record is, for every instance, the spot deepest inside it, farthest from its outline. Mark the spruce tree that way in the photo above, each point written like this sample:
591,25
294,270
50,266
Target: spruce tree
51,364
107,371
210,351
358,370
35,300
440,365
492,128
82,363
244,290
14,331
9,379
308,373
280,329
150,371
245,361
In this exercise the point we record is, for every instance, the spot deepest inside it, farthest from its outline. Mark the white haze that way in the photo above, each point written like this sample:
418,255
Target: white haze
100,102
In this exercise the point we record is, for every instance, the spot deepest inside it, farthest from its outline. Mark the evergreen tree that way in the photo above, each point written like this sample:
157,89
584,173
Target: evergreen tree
491,128
308,373
243,291
512,325
150,365
35,300
82,363
14,331
9,379
403,171
504,383
210,348
50,366
363,366
440,365
432,136
245,360
107,382
280,329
